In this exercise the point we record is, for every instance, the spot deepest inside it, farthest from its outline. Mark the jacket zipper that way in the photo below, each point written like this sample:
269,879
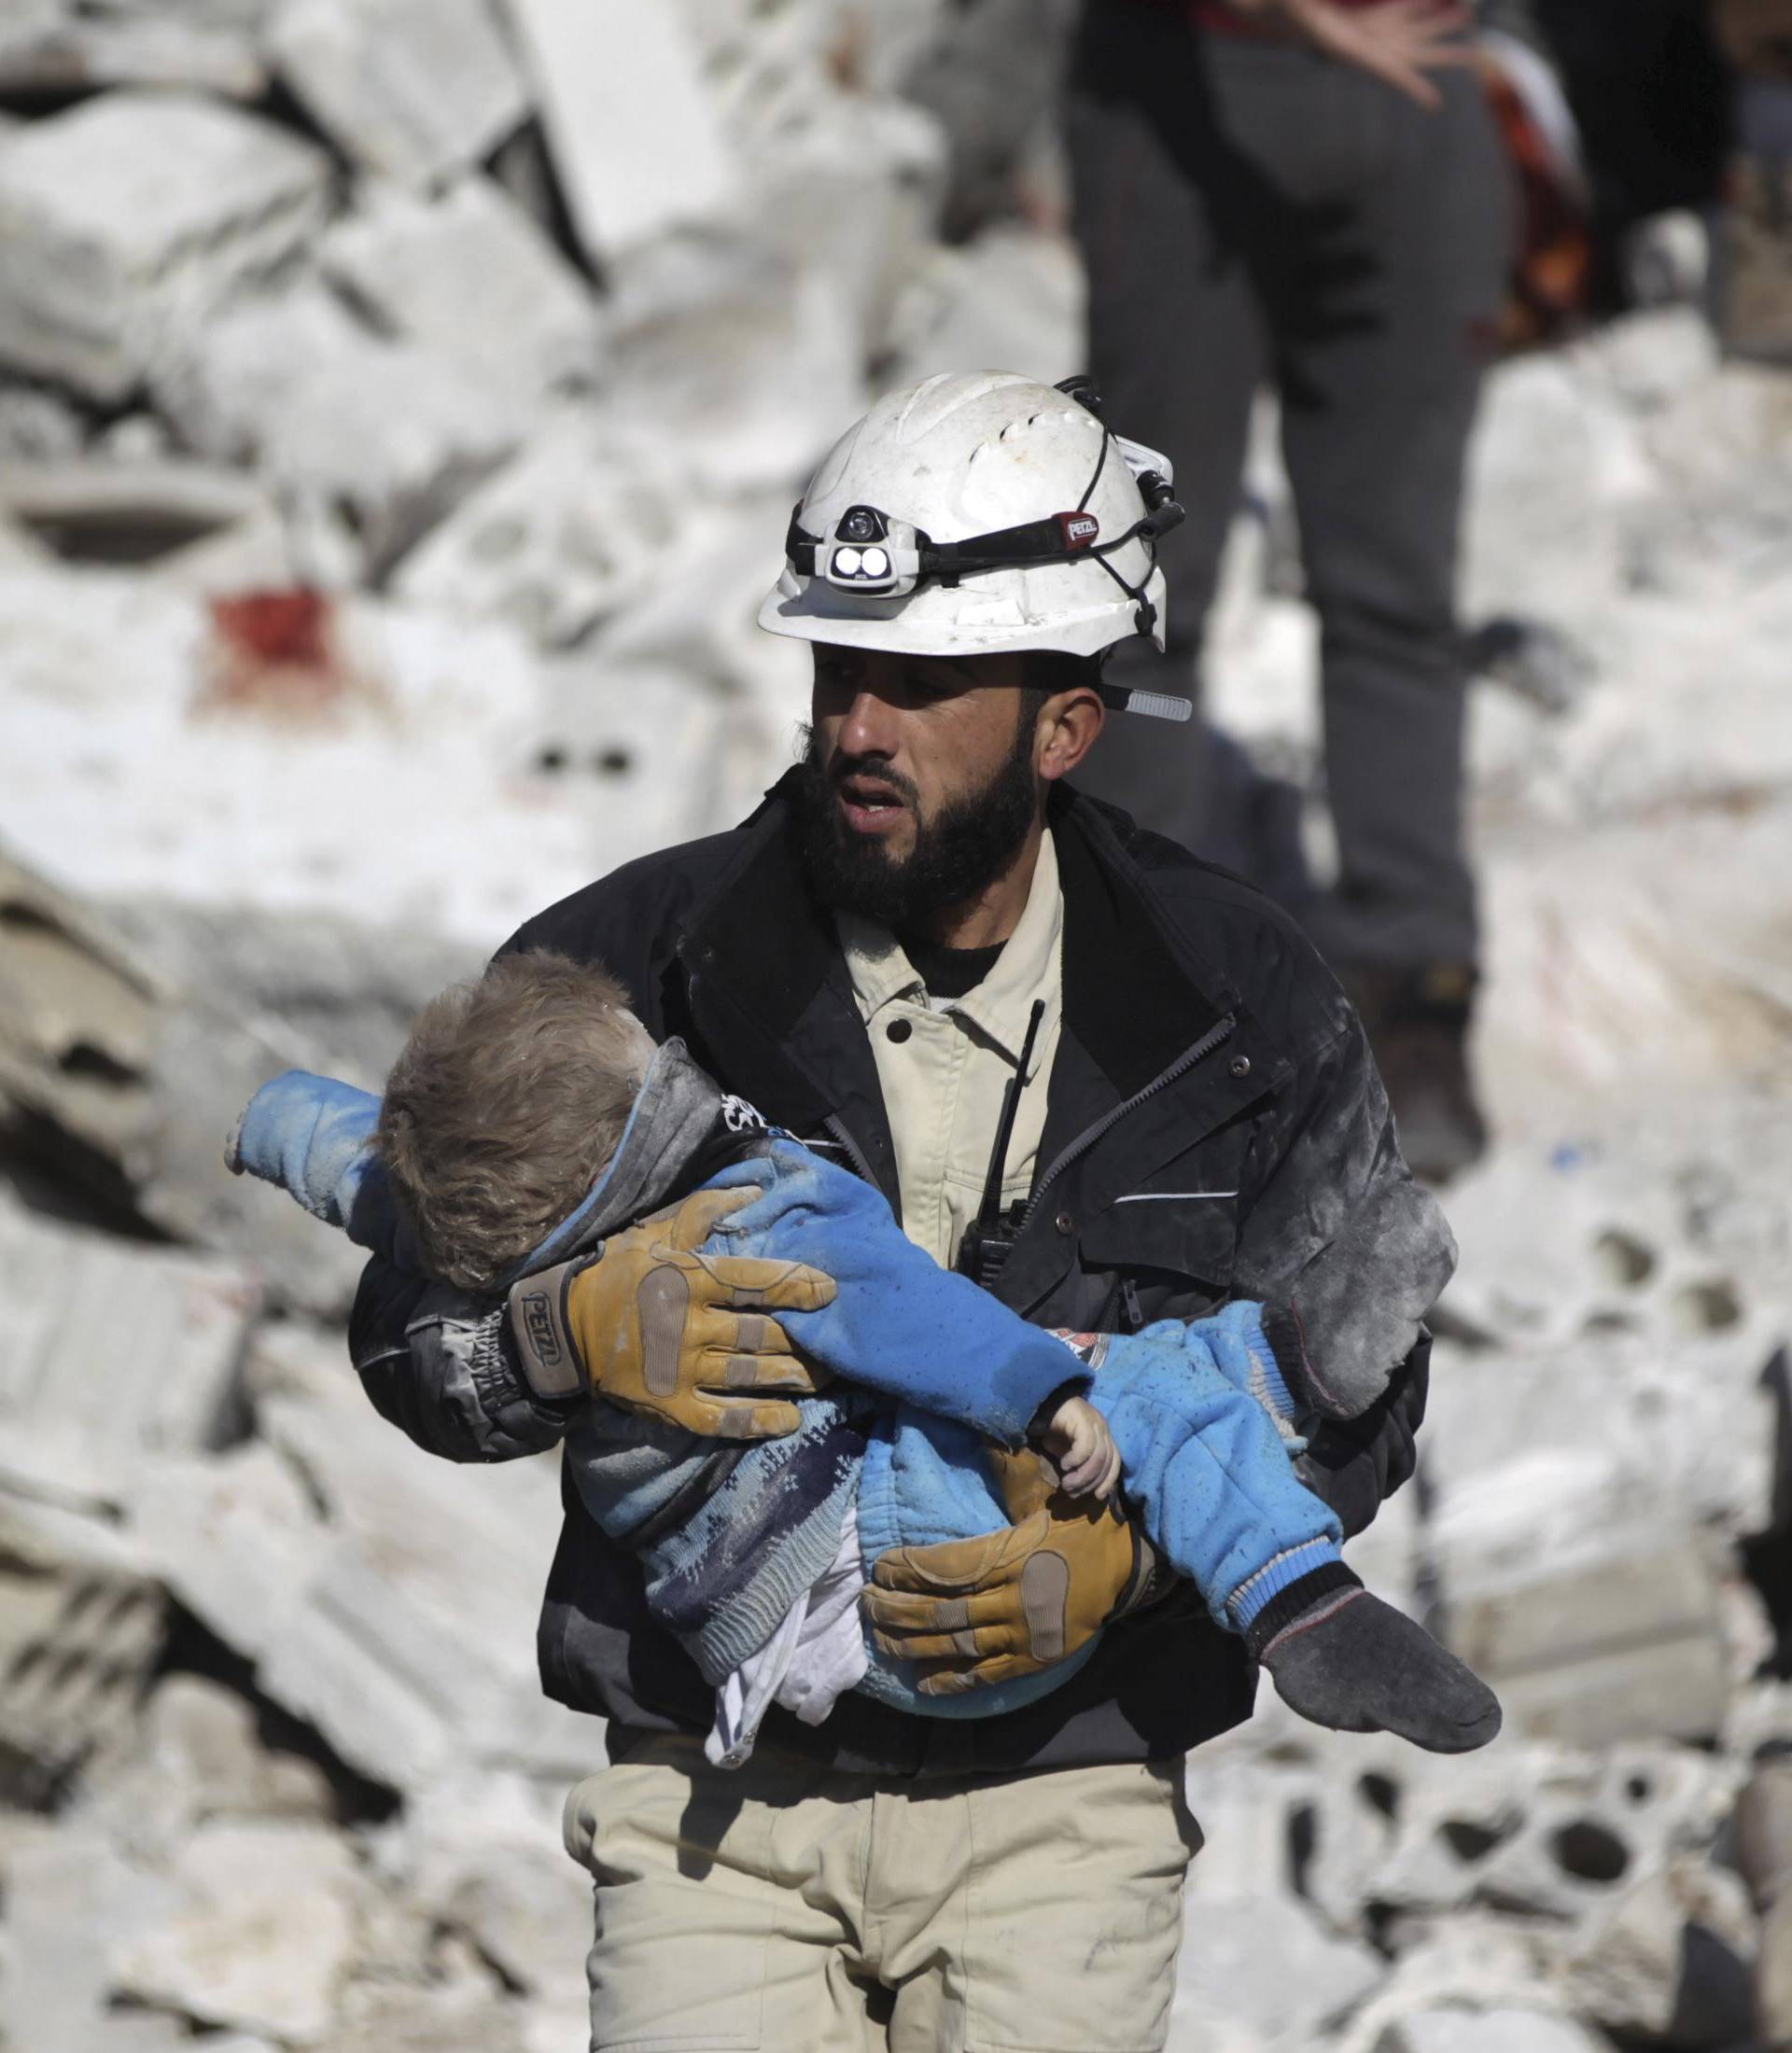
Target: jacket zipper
1216,1036
837,1126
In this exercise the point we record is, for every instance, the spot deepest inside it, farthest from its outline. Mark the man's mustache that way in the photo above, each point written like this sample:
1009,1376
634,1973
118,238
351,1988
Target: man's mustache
842,768
839,767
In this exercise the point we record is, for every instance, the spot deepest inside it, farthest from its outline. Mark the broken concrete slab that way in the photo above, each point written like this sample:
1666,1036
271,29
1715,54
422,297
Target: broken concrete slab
1669,1962
37,424
756,357
1505,2031
385,1583
78,1015
461,2020
89,511
194,1753
129,219
239,1541
1624,1642
1687,1417
1267,1963
485,1860
261,1932
335,415
115,1087
122,1352
337,1589
81,1624
573,528
244,817
1545,1835
532,326
629,121
411,88
70,1902
74,52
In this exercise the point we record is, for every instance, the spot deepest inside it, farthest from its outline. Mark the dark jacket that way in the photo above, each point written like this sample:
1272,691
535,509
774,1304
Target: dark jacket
1214,1128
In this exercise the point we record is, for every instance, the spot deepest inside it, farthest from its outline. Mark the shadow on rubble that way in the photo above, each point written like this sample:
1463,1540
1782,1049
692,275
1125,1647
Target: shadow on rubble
191,1650
1767,1557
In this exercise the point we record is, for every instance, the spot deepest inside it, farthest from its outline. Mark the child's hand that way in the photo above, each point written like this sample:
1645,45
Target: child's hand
1079,1441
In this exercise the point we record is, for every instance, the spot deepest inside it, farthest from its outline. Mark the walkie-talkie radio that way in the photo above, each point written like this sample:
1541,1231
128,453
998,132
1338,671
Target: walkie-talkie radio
992,1233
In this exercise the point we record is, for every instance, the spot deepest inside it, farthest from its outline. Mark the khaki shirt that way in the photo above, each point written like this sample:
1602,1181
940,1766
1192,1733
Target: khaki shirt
943,1065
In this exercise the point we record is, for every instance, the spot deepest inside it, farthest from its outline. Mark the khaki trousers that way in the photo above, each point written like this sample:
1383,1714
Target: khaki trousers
794,1910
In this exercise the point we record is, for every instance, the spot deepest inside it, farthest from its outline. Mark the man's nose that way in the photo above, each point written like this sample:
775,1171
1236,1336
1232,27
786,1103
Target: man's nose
869,728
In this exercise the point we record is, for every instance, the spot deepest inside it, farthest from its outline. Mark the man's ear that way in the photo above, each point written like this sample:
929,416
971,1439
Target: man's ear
1069,725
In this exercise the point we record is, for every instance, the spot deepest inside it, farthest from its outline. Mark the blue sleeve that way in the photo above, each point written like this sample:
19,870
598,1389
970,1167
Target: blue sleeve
1203,1464
313,1137
899,1322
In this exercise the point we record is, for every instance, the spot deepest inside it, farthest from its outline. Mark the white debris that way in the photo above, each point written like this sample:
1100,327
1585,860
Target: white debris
1014,297
1505,2031
69,1903
261,1934
195,1754
117,1352
81,1625
127,220
531,326
1267,1963
72,50
393,784
412,89
755,358
569,530
633,132
336,416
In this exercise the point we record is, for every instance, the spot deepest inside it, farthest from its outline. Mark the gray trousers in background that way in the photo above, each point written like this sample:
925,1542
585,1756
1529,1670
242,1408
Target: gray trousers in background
1248,211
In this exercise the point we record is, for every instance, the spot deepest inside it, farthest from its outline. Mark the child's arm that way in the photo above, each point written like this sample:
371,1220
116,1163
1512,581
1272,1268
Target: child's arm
1193,1409
313,1136
1216,1492
899,1323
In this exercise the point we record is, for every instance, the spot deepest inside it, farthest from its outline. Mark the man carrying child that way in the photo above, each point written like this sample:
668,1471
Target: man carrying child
1113,1085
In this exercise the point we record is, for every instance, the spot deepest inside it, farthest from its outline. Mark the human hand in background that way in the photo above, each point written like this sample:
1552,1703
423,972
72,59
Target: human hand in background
1399,41
659,1326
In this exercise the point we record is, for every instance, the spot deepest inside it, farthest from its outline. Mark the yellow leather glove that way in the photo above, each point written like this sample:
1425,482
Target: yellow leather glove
982,1611
657,1326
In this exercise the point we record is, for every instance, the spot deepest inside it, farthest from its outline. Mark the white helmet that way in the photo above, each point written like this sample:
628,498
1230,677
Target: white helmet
975,512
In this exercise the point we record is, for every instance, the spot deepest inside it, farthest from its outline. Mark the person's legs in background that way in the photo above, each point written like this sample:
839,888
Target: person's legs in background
1379,398
1229,189
1177,349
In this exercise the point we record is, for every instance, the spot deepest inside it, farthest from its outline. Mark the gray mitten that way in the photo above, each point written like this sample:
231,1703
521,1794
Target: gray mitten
1345,1659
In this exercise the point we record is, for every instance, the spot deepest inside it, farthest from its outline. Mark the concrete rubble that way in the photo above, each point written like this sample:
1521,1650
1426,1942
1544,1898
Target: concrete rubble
409,89
533,327
400,406
638,147
130,218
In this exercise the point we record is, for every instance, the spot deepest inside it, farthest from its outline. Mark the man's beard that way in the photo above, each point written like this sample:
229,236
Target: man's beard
965,845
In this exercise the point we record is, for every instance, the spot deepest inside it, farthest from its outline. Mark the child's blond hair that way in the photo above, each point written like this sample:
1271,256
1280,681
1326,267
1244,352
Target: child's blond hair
505,1104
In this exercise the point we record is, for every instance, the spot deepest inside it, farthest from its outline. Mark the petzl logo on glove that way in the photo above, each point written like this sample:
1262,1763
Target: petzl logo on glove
537,1319
538,1324
1080,529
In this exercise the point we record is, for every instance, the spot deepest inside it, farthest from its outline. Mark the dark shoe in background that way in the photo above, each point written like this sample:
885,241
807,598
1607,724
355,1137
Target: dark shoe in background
1418,1022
